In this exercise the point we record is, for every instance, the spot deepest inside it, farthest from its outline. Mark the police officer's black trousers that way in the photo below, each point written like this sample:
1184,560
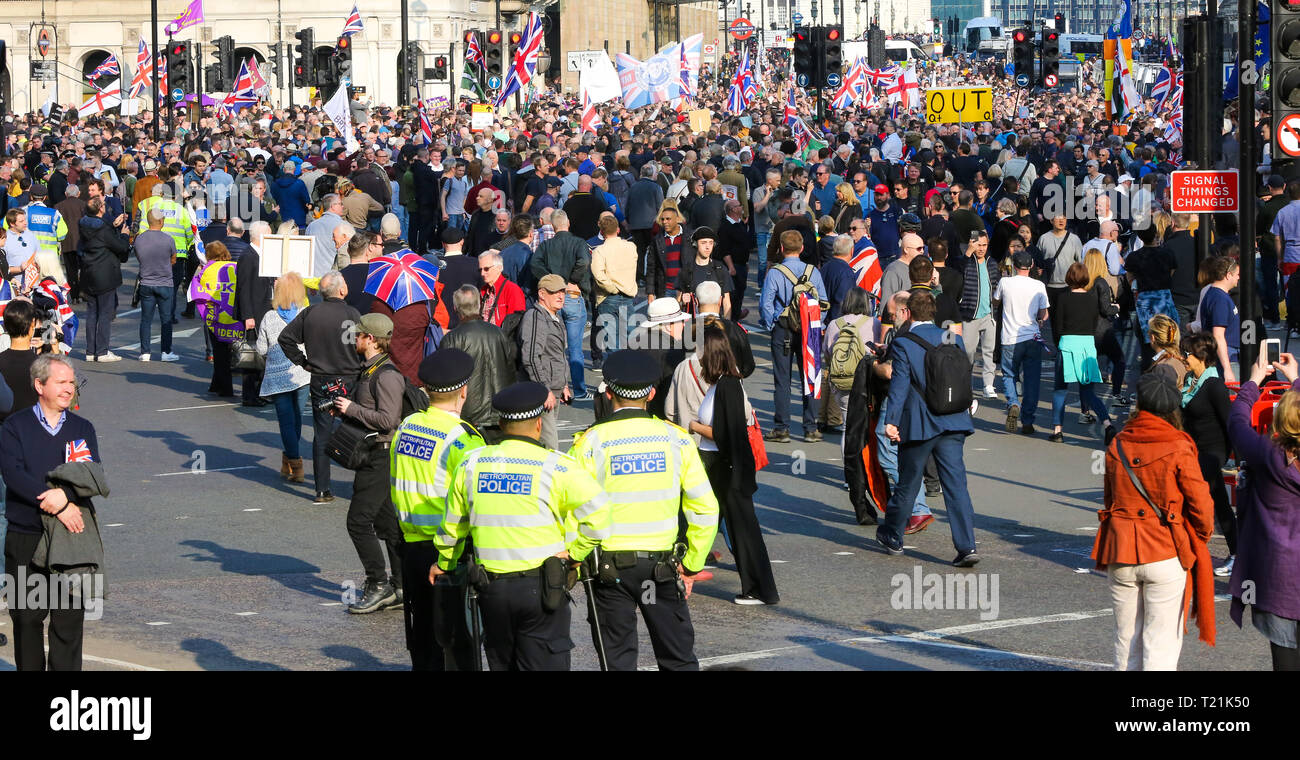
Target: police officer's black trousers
371,519
517,633
437,632
665,613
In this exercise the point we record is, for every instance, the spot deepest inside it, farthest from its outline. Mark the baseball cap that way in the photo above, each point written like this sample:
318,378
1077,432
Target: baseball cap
882,188
551,283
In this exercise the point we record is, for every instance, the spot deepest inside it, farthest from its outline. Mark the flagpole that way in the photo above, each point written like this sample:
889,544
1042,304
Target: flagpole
153,66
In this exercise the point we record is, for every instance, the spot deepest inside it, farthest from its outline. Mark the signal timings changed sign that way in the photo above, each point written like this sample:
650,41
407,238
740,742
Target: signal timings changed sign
1204,192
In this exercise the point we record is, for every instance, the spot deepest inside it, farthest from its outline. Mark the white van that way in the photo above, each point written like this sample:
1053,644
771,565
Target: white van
904,51
983,37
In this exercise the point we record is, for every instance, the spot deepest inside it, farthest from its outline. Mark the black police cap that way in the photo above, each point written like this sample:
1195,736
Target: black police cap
446,370
521,401
631,374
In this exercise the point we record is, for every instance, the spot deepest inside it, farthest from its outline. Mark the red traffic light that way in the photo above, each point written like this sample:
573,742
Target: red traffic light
1051,37
1020,35
344,43
469,36
494,38
833,33
297,69
178,48
515,37
440,61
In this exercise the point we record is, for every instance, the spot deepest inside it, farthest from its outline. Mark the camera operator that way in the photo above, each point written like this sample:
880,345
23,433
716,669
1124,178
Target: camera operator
376,403
328,331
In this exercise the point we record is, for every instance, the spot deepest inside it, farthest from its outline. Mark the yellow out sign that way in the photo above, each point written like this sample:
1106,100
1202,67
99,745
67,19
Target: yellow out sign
949,105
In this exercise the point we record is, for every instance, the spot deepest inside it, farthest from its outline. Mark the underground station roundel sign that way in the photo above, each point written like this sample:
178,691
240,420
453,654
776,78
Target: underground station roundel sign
741,28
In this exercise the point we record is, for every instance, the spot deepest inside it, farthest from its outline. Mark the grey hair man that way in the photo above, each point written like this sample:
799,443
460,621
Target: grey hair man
327,331
493,369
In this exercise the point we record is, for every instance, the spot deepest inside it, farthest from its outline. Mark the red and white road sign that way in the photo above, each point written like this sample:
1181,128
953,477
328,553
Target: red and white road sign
741,28
710,49
1050,80
1204,192
1288,135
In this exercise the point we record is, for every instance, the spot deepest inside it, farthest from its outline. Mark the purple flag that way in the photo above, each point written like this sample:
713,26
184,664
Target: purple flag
192,15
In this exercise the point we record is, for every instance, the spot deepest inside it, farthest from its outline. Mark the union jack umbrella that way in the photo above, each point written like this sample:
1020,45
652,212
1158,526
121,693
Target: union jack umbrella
353,24
109,66
401,279
77,451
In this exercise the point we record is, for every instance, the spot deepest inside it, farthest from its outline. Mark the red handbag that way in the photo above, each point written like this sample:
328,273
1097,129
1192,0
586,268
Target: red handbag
756,444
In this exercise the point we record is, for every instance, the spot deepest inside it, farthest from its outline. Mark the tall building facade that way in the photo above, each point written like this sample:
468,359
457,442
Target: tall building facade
894,16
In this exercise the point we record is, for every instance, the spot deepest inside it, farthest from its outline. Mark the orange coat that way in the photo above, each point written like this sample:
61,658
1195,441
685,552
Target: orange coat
1165,461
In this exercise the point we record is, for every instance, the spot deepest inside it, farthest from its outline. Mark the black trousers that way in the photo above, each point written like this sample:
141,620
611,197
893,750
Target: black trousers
425,221
643,240
1284,658
437,632
29,625
1212,470
371,519
323,423
746,535
72,269
223,383
738,290
665,613
517,633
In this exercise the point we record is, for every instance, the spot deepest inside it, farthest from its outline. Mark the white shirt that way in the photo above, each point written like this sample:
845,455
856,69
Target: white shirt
1022,298
892,148
19,248
705,417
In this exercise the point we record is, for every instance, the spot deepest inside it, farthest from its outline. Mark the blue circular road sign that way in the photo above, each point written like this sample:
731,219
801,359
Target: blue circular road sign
833,80
178,94
1022,80
802,80
798,19
494,82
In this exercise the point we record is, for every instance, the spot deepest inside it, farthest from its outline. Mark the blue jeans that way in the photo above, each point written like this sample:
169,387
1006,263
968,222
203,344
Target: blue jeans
783,365
887,455
763,239
459,221
1027,355
612,316
4,529
574,314
403,219
288,411
160,298
912,455
1087,398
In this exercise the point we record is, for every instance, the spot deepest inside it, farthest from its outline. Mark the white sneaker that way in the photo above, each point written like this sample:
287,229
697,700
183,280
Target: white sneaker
109,356
1225,570
170,357
144,357
990,392
90,358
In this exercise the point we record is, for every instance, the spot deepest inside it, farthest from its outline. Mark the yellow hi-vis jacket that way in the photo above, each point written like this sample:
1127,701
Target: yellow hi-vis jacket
426,448
514,500
176,222
651,471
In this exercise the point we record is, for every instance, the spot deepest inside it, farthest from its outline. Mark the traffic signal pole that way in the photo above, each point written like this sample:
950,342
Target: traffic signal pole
1246,189
153,9
171,107
403,96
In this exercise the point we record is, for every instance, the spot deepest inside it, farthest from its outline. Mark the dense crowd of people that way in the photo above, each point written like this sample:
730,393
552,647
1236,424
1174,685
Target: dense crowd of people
901,254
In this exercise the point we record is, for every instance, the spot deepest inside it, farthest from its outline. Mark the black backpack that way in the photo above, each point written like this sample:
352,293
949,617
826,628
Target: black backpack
947,376
414,399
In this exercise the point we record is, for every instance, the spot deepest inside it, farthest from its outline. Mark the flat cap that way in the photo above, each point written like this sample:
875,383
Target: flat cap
377,325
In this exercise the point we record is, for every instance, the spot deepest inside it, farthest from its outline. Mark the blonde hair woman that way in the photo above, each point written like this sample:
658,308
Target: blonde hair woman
283,382
1164,337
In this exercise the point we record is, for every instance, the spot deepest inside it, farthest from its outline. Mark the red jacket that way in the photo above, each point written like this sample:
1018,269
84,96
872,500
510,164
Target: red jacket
509,300
406,349
1165,462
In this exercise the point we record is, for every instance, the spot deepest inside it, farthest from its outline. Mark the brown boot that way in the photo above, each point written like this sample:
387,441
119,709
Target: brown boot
295,466
284,465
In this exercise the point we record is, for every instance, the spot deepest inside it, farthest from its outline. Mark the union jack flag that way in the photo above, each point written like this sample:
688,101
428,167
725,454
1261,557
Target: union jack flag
143,71
524,61
401,279
742,87
791,114
474,52
866,265
850,89
110,66
426,129
77,451
590,117
353,24
1163,86
885,76
810,320
684,74
244,82
162,76
801,133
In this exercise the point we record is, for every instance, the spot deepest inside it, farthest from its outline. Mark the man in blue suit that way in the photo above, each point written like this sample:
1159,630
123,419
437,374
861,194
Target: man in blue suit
920,433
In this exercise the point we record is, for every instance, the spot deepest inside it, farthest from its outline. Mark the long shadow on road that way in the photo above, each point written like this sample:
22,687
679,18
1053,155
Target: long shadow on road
213,655
290,572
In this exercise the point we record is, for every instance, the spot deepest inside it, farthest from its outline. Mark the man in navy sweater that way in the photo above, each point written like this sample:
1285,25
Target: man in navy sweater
36,441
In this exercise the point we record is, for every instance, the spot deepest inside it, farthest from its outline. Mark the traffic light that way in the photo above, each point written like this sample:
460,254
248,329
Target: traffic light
1051,60
876,57
304,68
831,54
180,66
938,28
343,59
804,65
277,49
494,52
225,73
1022,54
1285,77
440,73
1058,22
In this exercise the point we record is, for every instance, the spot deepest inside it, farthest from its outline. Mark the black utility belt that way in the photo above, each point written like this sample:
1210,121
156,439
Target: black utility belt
629,558
536,572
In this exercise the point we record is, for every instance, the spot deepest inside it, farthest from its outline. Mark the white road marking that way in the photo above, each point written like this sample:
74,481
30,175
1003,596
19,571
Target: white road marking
843,554
245,614
254,509
999,652
127,313
158,622
120,663
777,561
1022,535
1089,528
175,334
201,406
331,604
934,635
114,525
1082,570
201,472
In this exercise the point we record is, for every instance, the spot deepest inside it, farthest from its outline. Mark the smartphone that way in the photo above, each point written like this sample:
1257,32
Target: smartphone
1272,350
